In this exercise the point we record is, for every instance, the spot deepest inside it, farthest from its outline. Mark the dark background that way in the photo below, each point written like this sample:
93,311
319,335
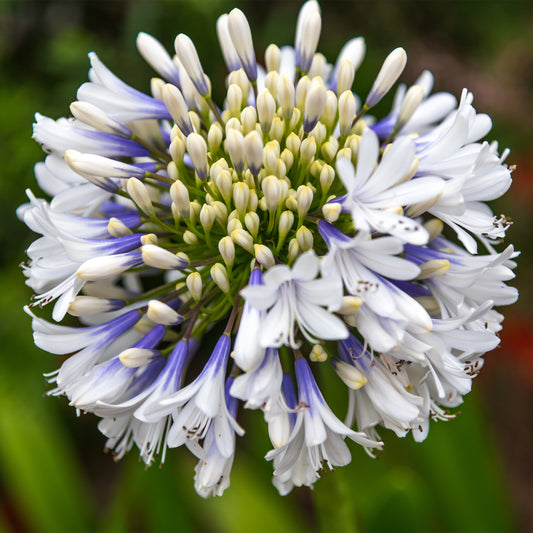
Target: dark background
472,474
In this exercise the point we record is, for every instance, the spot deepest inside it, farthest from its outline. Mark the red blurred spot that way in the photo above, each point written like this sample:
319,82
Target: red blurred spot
517,345
522,190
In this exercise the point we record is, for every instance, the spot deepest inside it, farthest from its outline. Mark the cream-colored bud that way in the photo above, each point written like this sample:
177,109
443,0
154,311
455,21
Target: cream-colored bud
344,152
252,222
295,121
301,92
240,33
351,376
316,168
177,150
177,107
156,88
180,196
233,224
315,100
195,208
329,114
331,211
307,34
189,59
194,285
350,305
224,184
220,277
234,100
149,238
271,187
139,194
197,148
92,305
226,248
272,58
214,137
93,116
390,71
252,203
190,238
434,227
433,268
346,112
294,250
221,212
136,357
271,83
158,257
319,133
172,171
345,76
231,58
264,255
413,98
308,149
288,159
304,197
319,66
253,147
304,238
270,158
238,77
242,238
293,143
329,150
248,119
286,221
207,216
327,175
277,129
235,148
318,354
117,228
241,196
286,94
266,107
291,203
161,313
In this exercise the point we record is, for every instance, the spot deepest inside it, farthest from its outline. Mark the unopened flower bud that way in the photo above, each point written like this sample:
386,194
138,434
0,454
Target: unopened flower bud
277,129
194,285
158,257
286,221
235,147
234,100
390,71
241,195
248,119
189,59
294,250
161,313
351,376
345,76
433,268
231,57
139,194
93,116
251,221
413,98
214,137
272,58
264,255
197,149
304,197
301,92
307,34
346,112
91,305
293,143
190,238
253,147
226,248
137,357
240,33
180,196
207,217
220,277
272,192
350,305
331,211
318,354
177,108
266,107
308,149
117,228
286,92
243,239
304,238
315,101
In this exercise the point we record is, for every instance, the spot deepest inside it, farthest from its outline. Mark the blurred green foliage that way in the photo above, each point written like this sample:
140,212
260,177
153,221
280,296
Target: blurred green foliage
53,475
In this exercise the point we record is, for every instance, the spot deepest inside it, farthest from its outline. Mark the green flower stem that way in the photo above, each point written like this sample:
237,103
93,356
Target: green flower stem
334,503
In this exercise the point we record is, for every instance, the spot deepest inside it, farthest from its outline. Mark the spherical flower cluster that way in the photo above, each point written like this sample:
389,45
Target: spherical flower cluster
290,224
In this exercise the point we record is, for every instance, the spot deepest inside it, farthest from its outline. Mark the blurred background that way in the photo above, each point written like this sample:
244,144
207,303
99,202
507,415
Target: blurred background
472,474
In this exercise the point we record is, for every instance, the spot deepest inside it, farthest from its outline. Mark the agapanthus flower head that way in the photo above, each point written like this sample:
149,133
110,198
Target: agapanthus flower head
287,214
